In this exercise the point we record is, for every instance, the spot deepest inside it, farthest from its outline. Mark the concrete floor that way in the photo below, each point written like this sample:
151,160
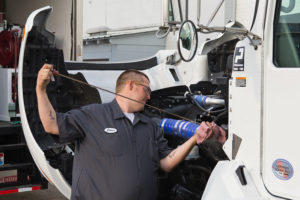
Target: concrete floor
50,194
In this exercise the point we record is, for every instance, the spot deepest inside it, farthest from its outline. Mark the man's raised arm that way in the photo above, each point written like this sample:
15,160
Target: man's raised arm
46,110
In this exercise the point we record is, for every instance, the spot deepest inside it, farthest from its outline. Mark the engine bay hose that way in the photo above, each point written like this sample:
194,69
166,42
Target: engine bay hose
205,101
178,127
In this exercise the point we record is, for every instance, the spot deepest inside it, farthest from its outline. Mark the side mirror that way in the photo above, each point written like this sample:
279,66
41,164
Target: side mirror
187,41
289,8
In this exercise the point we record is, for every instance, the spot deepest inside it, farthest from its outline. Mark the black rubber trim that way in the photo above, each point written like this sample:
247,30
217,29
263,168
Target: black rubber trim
240,173
255,13
16,166
138,65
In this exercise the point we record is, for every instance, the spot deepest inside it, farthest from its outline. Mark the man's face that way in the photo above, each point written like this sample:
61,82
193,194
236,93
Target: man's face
141,92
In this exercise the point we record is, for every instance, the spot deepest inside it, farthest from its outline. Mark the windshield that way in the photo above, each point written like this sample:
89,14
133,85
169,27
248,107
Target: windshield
287,34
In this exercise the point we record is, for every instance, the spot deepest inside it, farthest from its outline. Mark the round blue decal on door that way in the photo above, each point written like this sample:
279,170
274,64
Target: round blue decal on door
282,169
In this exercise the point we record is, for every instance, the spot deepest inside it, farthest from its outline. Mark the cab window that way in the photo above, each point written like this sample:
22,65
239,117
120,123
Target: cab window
287,34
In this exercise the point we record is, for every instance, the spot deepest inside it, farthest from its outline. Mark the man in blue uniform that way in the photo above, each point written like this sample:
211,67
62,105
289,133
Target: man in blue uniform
118,150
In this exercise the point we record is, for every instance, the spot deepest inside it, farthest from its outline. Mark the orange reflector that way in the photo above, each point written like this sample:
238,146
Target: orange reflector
46,177
240,78
23,36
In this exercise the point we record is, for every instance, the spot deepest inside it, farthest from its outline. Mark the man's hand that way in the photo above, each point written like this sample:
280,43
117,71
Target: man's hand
203,132
46,110
44,76
206,130
218,133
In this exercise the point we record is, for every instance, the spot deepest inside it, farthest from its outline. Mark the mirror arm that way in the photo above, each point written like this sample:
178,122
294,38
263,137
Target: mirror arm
186,9
242,31
198,12
255,40
161,36
164,12
180,11
215,12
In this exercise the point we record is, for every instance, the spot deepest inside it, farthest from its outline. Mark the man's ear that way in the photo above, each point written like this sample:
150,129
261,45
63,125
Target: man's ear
130,85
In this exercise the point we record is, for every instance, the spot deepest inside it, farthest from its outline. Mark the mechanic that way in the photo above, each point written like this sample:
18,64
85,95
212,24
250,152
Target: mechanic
118,150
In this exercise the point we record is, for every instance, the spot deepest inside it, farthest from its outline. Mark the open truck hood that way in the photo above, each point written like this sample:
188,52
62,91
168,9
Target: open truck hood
28,66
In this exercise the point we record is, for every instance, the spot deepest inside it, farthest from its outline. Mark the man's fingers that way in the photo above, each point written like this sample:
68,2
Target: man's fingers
46,71
47,66
44,76
218,133
221,137
208,130
208,124
203,132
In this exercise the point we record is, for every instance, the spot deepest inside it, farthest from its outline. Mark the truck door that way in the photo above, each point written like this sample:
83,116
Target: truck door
281,99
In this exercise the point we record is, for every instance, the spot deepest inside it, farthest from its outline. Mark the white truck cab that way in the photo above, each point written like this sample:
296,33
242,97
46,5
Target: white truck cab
254,71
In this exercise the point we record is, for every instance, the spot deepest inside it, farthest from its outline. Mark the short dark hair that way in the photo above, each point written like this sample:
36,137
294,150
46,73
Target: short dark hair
130,74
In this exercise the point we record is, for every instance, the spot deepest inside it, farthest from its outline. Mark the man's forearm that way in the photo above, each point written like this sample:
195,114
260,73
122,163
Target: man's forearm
177,155
46,112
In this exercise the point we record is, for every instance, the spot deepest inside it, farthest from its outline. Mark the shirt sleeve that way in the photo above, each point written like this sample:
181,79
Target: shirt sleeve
71,125
162,142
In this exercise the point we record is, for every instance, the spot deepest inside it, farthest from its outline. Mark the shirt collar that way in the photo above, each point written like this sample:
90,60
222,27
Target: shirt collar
118,113
140,117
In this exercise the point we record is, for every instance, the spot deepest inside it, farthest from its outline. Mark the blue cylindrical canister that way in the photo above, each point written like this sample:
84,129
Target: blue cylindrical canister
178,127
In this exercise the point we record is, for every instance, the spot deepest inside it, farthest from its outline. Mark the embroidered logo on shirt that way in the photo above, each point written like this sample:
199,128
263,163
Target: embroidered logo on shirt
110,130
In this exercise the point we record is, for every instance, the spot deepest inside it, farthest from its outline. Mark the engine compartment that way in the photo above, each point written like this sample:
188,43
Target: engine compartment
188,180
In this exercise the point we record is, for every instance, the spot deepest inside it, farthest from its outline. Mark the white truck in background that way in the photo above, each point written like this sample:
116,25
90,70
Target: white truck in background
253,66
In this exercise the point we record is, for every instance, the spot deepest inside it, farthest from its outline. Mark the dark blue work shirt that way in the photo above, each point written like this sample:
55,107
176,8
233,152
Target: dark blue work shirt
114,158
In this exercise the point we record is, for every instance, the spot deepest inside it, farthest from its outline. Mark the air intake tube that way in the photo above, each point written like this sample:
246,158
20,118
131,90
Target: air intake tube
205,101
178,127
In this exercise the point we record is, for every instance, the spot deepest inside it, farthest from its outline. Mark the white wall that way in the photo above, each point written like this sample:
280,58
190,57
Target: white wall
121,14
